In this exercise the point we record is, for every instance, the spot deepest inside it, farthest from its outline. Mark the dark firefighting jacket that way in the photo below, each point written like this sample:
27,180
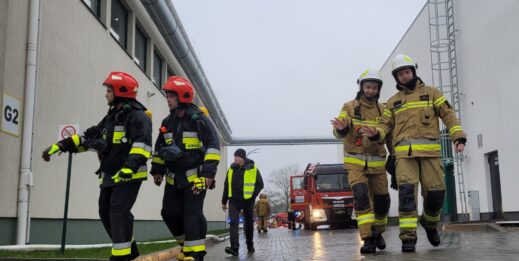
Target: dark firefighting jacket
196,137
127,132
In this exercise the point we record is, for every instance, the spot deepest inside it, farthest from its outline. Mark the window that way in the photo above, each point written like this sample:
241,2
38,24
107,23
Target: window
95,7
119,23
297,182
141,47
157,69
332,183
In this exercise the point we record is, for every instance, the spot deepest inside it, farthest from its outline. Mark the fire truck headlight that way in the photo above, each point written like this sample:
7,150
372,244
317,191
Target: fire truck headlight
318,214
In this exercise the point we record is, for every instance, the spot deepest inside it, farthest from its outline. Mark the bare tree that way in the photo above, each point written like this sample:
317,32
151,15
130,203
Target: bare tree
278,185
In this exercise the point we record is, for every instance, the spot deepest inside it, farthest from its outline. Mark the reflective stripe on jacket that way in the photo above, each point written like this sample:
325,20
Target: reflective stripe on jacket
412,116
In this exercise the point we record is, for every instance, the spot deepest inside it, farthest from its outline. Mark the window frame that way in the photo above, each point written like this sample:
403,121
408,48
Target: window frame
141,63
113,32
156,55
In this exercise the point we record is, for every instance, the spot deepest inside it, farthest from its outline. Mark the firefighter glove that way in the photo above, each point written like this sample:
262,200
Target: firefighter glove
390,165
394,184
199,185
123,175
49,151
67,145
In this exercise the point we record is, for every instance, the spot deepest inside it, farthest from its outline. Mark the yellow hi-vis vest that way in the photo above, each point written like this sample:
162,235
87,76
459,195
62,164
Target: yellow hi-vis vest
249,181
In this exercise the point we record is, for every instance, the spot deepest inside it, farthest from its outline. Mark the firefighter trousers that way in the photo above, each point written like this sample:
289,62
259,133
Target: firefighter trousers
115,204
182,211
429,173
371,201
262,223
234,216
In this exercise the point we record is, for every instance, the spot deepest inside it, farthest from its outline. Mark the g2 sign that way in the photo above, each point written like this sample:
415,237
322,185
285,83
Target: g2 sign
11,115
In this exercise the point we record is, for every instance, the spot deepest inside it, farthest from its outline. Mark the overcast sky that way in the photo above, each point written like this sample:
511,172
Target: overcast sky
285,67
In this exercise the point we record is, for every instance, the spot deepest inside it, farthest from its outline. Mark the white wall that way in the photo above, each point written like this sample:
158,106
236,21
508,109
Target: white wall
13,39
488,57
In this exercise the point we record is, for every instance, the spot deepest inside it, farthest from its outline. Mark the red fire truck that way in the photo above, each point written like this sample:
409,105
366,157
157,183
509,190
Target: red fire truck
322,196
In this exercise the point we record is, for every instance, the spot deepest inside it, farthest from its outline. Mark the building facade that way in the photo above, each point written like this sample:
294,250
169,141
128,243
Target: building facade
79,43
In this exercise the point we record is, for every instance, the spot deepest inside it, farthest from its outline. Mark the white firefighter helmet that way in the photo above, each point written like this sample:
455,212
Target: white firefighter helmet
370,75
402,61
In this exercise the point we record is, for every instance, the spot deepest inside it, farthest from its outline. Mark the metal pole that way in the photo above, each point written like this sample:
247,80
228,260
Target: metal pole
65,214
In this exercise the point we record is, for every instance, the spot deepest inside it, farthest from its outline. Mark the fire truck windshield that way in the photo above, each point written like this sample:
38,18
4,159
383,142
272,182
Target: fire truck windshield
332,183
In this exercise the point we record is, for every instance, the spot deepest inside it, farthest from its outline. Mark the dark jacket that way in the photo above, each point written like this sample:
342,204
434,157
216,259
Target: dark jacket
137,132
193,123
237,199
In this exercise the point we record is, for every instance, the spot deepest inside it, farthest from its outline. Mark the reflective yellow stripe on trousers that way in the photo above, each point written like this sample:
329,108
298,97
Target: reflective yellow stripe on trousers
367,218
380,221
418,145
194,245
408,222
431,218
121,249
359,159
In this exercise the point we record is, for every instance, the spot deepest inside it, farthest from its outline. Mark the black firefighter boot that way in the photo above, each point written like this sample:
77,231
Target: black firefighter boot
135,251
379,240
409,245
231,250
369,246
432,233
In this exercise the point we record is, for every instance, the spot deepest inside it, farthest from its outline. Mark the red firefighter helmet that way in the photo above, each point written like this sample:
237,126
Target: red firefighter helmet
123,84
182,87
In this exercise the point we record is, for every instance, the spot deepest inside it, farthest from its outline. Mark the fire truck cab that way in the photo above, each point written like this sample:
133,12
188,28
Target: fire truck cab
323,195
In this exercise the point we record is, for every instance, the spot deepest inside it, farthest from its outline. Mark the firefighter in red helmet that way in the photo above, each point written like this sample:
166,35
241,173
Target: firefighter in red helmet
122,140
187,152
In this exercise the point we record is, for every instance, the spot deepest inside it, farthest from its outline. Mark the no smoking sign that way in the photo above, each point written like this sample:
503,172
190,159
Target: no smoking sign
67,130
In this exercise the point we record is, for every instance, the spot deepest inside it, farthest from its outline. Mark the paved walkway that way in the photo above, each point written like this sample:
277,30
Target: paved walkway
343,244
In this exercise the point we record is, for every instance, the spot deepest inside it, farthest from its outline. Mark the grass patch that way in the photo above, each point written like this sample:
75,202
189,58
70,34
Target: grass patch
94,253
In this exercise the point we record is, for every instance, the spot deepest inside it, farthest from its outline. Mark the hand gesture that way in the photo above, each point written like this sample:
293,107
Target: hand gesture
49,151
157,179
339,124
209,182
459,147
368,131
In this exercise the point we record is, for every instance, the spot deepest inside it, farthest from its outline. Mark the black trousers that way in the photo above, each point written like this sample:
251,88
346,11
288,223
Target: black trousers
182,211
234,215
115,204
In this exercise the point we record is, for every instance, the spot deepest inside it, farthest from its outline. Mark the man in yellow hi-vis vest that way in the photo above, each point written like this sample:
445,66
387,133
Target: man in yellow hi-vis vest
242,185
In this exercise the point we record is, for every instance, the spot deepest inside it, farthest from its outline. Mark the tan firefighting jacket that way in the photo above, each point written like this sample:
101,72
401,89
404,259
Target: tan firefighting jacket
412,116
262,207
360,153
